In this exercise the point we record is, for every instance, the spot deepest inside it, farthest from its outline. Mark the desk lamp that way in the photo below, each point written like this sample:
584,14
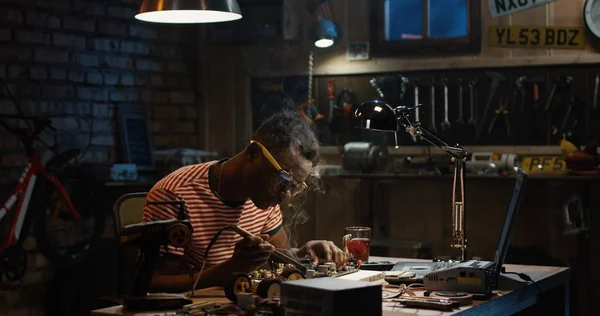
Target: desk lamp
380,116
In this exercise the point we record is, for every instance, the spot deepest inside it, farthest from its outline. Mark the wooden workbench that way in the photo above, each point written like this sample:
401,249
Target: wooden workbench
551,280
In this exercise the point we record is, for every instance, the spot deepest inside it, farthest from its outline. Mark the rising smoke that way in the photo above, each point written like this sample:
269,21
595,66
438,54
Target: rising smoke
294,209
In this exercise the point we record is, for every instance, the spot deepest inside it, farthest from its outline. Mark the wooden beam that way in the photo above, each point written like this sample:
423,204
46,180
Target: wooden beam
396,65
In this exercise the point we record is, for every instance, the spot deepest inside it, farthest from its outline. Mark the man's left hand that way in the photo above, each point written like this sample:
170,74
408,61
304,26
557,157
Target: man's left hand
323,251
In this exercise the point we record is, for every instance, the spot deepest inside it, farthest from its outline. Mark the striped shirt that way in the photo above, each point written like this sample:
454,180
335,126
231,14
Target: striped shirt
207,214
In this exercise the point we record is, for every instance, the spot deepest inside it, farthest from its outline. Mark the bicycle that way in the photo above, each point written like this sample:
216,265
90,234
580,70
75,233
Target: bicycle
38,193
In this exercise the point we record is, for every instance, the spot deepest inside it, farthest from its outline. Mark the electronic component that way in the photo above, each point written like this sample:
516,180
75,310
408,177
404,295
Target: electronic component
377,266
331,297
396,277
364,157
437,304
477,277
473,276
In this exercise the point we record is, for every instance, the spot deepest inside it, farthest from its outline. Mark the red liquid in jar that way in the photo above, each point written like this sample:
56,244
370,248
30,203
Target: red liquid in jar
359,248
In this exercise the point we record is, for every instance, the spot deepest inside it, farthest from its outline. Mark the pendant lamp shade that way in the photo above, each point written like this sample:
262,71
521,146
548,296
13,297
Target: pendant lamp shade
189,11
325,33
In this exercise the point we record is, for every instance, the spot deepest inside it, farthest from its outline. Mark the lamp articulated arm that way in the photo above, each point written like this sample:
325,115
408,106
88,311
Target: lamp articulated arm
378,115
459,155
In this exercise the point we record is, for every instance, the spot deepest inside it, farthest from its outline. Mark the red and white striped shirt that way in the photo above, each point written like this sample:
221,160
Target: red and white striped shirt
207,214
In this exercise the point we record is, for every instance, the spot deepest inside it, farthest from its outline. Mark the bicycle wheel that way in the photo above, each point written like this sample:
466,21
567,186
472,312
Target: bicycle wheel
60,238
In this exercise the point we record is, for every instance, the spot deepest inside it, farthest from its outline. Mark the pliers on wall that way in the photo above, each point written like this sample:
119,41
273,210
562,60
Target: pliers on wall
502,110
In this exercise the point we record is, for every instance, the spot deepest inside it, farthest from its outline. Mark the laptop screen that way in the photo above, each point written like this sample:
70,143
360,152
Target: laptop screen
513,208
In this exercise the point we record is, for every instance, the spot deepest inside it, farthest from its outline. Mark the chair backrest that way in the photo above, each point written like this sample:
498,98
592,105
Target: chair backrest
129,209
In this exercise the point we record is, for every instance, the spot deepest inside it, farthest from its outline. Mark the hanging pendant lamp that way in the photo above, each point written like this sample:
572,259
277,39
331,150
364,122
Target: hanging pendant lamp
189,11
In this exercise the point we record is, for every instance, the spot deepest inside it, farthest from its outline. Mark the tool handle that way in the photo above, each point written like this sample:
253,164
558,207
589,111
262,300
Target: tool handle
445,102
595,101
417,114
549,102
460,100
280,256
432,98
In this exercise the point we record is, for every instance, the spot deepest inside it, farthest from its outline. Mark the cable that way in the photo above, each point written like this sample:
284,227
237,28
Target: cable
210,244
529,280
525,278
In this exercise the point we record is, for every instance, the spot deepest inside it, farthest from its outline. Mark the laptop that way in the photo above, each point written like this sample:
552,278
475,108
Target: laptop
417,270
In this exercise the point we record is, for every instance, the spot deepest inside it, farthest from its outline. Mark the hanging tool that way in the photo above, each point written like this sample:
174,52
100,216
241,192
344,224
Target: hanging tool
497,78
338,122
446,123
346,102
417,110
536,100
564,84
595,100
459,120
472,120
502,110
576,104
375,85
415,83
331,97
520,88
432,126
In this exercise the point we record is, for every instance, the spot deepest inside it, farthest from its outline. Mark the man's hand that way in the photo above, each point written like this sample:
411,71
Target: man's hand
250,253
323,251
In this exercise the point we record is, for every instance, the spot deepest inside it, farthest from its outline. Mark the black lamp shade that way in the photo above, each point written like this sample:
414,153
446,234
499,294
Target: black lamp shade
189,11
376,115
325,33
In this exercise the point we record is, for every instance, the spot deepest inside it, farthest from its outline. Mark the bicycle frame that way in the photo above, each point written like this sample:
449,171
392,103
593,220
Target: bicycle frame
22,196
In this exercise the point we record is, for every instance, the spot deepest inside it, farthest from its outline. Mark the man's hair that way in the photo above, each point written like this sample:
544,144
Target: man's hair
287,129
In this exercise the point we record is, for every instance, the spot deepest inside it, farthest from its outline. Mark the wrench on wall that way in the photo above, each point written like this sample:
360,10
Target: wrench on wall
497,78
472,120
459,119
432,127
446,123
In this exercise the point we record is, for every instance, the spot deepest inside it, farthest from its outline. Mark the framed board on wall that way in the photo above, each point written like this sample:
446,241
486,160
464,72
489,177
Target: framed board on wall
270,95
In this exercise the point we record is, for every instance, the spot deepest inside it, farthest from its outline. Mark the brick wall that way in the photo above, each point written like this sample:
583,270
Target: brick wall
90,57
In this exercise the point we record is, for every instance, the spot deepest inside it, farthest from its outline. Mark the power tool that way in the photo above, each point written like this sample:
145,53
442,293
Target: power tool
150,236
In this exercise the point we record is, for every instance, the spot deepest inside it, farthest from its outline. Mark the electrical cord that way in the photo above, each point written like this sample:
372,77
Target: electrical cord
210,245
529,280
525,278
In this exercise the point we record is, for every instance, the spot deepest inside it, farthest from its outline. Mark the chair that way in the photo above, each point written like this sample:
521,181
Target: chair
128,209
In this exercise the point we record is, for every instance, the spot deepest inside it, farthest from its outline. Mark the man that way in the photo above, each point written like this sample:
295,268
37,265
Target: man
246,191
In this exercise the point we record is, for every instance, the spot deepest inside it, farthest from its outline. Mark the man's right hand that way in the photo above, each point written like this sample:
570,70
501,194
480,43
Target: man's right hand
250,253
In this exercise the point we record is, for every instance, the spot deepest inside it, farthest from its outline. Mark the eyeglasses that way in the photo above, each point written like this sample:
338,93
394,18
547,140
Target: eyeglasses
284,181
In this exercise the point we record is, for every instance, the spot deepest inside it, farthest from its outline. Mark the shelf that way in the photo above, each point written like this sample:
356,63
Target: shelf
424,150
390,176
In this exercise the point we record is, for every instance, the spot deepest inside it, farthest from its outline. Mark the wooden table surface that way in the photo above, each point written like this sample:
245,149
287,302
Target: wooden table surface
503,302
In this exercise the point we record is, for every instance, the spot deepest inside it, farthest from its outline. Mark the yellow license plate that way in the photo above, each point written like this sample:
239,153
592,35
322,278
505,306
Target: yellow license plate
537,36
544,164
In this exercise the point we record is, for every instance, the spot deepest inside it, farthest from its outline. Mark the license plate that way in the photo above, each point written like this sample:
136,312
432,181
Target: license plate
544,164
518,36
